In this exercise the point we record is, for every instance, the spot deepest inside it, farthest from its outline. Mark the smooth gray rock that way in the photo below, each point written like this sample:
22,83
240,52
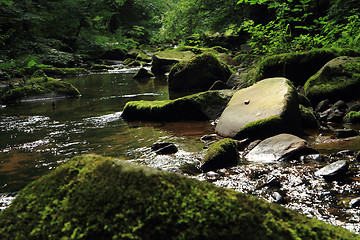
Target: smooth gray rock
333,171
280,147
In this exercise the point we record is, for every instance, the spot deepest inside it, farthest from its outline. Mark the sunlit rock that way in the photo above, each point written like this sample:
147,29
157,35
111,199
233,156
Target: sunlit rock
281,147
265,109
338,79
221,154
335,170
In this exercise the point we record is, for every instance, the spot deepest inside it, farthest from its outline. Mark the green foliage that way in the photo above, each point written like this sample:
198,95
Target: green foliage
94,197
352,117
295,27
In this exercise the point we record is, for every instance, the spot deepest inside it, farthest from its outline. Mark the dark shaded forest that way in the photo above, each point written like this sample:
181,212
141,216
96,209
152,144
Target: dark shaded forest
31,30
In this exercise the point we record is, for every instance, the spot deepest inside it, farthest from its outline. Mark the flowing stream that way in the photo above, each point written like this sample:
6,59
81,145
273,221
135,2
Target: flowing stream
38,135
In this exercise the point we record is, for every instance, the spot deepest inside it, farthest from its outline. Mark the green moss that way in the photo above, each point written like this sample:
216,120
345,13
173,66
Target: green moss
340,79
39,86
201,106
93,197
221,154
299,66
352,117
200,73
261,128
308,118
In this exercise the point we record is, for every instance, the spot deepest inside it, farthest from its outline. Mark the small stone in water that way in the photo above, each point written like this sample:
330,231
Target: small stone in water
212,174
164,148
316,157
334,170
355,202
209,137
278,198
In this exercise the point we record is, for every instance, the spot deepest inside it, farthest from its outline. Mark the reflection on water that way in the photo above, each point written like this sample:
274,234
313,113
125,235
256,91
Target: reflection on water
37,136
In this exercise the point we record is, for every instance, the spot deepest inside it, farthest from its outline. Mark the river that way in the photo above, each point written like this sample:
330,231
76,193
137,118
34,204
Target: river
38,135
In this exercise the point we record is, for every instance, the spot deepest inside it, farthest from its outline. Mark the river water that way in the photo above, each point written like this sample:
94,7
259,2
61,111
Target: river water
38,135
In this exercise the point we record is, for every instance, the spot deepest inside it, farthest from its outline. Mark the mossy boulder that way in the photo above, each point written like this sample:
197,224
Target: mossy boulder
352,117
221,154
264,109
93,197
114,54
338,79
199,73
201,106
143,73
298,67
308,118
61,72
163,61
39,87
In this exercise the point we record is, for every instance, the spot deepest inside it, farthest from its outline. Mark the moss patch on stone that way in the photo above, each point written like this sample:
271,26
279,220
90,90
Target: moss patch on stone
38,87
299,66
308,118
63,72
261,128
199,73
338,79
221,154
201,106
352,117
93,197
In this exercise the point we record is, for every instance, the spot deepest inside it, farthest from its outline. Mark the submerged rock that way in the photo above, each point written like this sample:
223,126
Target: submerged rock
201,106
164,148
281,147
345,133
339,78
265,109
94,197
335,170
221,154
199,73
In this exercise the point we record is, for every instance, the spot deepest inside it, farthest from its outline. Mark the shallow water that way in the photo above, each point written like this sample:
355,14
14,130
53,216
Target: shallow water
37,136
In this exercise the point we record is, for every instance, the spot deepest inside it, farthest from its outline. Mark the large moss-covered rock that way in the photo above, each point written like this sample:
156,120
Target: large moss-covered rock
61,72
163,61
265,109
201,106
298,67
93,197
338,79
221,154
39,87
199,73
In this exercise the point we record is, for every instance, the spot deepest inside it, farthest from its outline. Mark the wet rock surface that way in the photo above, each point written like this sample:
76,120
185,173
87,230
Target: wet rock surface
282,147
295,186
164,148
336,170
267,108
